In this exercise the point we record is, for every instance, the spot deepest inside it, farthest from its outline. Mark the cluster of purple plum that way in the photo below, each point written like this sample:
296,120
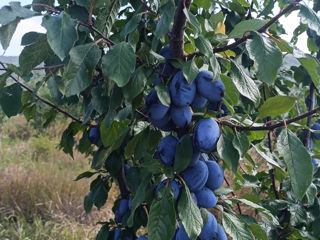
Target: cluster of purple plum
202,176
184,97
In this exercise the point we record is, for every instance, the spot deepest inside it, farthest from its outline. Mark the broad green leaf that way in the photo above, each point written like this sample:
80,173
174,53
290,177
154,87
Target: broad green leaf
313,68
77,75
266,55
131,25
192,20
227,151
298,215
241,143
30,38
266,157
298,162
245,85
183,154
244,3
34,54
15,10
235,227
111,134
10,99
311,193
83,3
189,214
119,63
203,4
164,24
103,233
232,93
86,174
100,195
215,67
258,231
283,105
61,33
247,25
6,33
99,101
190,70
162,217
135,85
163,94
204,45
88,202
138,198
309,17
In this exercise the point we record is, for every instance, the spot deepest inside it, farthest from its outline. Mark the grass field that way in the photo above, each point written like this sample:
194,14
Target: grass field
39,198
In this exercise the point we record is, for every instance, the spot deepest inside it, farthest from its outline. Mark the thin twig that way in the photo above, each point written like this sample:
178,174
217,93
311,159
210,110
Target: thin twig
45,100
48,7
266,128
310,108
147,7
90,13
108,41
238,205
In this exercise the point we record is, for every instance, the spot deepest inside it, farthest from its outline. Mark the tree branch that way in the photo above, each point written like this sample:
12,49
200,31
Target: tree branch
45,100
90,13
179,25
92,28
147,7
48,7
267,128
310,108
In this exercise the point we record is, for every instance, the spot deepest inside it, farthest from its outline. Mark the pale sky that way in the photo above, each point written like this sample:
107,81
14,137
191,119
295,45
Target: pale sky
34,24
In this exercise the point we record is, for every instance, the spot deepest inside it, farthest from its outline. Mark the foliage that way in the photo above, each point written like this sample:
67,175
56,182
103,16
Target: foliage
110,59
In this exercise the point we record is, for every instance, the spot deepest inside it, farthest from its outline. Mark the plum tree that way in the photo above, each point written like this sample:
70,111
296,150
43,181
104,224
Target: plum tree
164,96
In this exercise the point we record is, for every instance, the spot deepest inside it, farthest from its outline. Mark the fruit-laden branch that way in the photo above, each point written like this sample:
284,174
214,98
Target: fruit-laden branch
245,38
270,127
45,101
179,25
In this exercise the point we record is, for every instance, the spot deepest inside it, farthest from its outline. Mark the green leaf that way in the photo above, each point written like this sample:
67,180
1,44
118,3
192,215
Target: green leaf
203,4
283,104
131,25
30,37
309,17
245,85
164,24
266,157
86,174
313,68
247,25
232,93
215,67
88,202
298,162
10,99
193,21
10,13
100,195
298,215
162,217
190,70
266,55
34,54
61,33
111,134
241,143
163,94
119,63
189,214
258,231
6,33
135,85
83,3
235,227
183,154
138,198
77,75
103,233
204,45
226,150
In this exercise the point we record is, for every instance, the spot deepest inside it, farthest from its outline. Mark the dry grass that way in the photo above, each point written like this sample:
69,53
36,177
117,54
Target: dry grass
39,198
